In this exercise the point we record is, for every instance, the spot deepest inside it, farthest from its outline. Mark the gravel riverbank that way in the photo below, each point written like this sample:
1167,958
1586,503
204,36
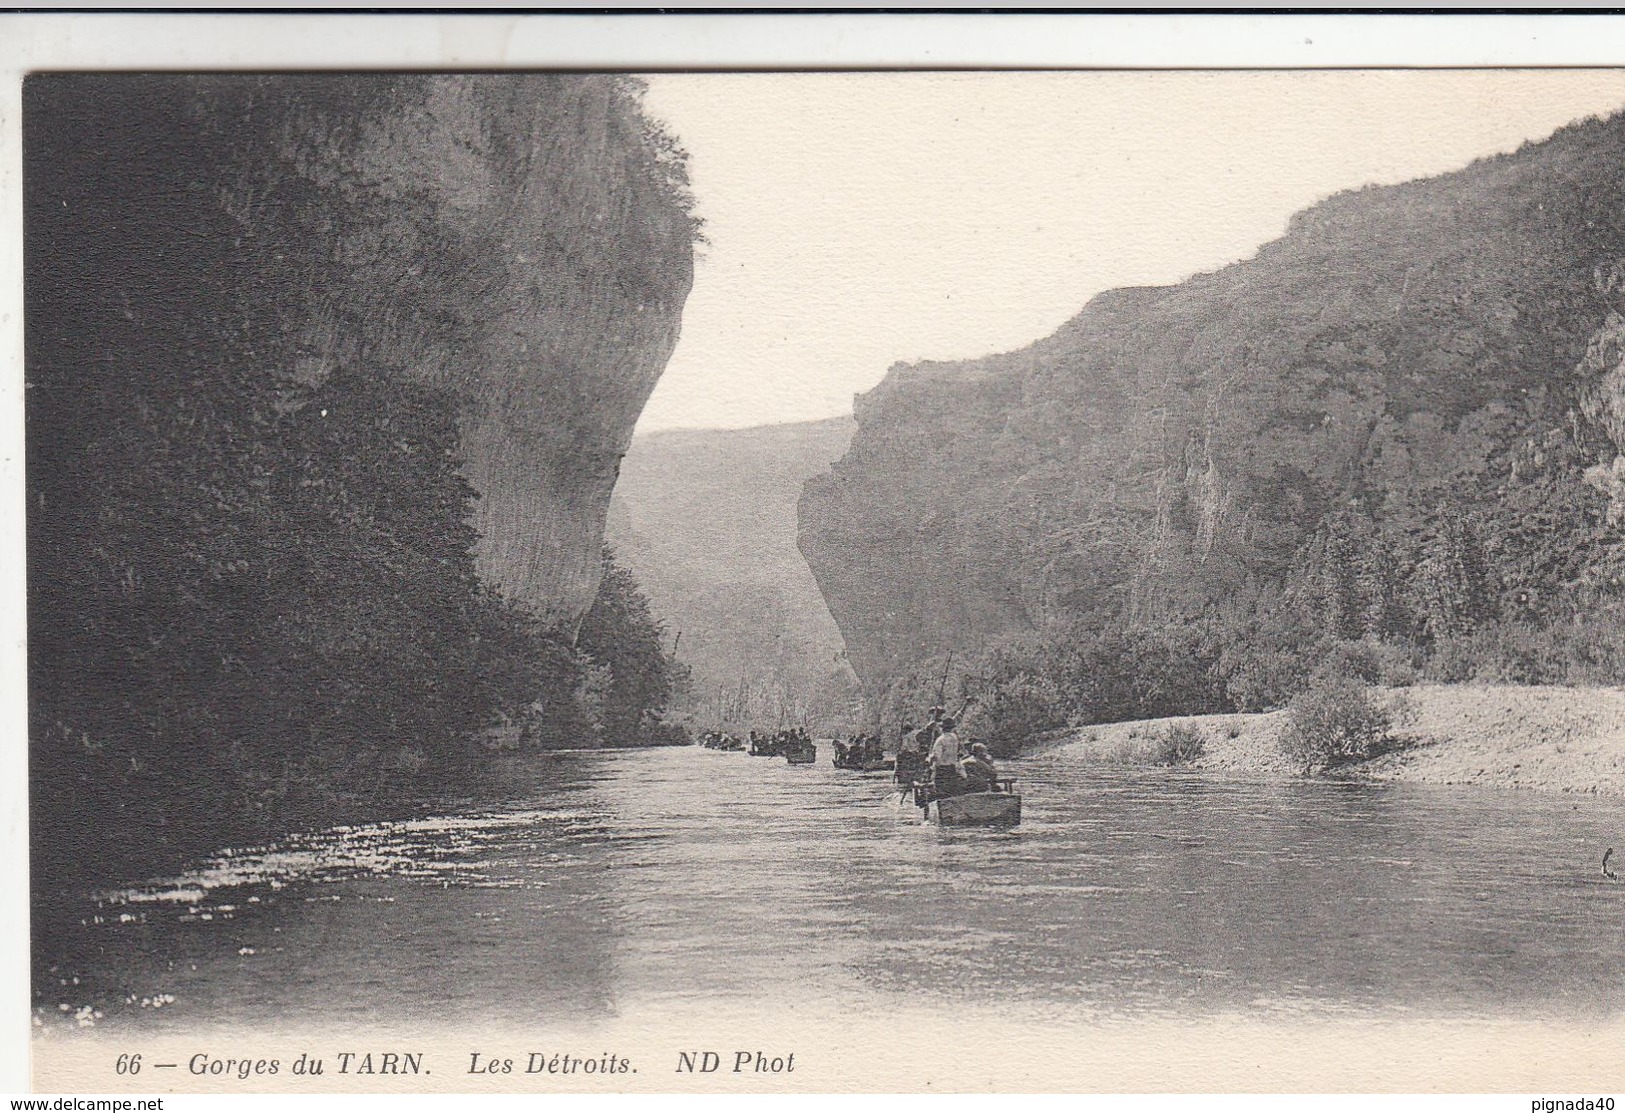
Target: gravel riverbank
1546,738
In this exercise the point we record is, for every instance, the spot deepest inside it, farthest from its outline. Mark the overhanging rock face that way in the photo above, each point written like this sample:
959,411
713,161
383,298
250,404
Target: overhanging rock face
569,259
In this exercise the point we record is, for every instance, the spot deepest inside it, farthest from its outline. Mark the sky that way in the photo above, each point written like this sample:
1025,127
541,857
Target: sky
854,220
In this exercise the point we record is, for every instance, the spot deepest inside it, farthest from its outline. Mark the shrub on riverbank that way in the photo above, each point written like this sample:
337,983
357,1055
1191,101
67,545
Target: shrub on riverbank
1169,743
1335,721
1018,703
1178,743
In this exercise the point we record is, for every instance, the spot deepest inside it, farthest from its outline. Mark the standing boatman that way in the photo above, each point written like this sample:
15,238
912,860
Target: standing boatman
945,755
910,754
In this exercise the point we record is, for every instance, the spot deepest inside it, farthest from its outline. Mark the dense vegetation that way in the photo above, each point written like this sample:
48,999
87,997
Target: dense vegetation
1391,439
632,676
253,595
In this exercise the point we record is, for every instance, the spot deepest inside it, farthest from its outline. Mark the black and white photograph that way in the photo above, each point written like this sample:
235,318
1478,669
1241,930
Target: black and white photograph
614,580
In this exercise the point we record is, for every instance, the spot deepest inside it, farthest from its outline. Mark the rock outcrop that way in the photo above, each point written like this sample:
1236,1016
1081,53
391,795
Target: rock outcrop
329,378
1173,450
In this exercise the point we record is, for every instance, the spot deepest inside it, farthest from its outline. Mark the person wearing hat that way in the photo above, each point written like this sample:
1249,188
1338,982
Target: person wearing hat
978,770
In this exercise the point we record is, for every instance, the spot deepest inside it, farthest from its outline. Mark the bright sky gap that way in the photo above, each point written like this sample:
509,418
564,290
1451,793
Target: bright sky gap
857,220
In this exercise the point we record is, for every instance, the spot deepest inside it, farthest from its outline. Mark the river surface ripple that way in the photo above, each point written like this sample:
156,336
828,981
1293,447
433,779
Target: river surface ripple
611,882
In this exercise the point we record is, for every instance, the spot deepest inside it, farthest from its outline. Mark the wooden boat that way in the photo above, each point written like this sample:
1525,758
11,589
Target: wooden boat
863,765
804,755
1000,807
976,809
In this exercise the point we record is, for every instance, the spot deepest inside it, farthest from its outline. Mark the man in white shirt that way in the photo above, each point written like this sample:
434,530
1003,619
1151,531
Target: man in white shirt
945,776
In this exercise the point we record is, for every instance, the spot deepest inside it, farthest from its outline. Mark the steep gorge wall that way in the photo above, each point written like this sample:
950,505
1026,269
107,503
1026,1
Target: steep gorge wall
521,240
571,257
1172,450
313,363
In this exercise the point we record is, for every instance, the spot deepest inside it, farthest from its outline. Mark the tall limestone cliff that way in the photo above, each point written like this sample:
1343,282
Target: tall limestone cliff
521,240
1445,348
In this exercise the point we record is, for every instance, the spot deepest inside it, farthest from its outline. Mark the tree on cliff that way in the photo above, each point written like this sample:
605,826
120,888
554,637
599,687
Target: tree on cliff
621,635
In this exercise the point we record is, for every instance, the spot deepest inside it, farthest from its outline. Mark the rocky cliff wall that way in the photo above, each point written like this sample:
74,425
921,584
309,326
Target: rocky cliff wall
1171,450
521,240
289,340
565,250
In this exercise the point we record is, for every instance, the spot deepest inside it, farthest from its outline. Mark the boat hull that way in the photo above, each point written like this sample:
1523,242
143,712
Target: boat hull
977,809
802,757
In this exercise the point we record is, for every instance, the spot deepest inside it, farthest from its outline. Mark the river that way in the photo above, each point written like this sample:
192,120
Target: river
608,883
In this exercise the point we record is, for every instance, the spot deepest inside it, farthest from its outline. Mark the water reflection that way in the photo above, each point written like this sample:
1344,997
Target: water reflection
611,882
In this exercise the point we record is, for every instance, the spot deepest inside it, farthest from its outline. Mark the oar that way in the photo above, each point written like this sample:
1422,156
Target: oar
943,683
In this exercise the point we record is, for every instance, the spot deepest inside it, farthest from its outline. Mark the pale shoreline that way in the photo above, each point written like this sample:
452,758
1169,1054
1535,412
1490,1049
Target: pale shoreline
1546,738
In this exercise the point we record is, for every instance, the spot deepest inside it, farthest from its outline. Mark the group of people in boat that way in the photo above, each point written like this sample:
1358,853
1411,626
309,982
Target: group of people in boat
933,763
779,744
935,755
861,751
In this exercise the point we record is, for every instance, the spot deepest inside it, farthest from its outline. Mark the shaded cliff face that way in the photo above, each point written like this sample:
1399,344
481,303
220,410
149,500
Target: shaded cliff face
1168,451
521,241
706,520
568,260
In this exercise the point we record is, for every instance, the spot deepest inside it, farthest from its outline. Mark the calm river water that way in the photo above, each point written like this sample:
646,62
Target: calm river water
617,881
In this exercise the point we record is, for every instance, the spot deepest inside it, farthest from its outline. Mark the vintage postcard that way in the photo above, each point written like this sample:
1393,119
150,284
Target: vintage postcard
598,580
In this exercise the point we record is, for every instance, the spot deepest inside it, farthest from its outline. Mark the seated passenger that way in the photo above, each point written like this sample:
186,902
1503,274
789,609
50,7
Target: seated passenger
978,770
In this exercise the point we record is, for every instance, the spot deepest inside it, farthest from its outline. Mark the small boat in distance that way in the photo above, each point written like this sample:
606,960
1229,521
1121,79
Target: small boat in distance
803,754
871,765
862,754
781,744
